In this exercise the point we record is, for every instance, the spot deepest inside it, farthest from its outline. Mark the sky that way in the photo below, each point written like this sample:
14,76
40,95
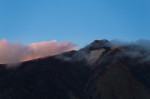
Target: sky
77,21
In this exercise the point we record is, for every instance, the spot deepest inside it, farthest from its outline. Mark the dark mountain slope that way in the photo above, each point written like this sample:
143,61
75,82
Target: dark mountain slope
101,70
118,76
48,78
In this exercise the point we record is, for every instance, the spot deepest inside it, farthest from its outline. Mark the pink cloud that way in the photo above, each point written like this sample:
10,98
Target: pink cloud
17,52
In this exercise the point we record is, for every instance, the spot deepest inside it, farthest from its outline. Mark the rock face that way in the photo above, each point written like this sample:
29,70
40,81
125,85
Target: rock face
98,71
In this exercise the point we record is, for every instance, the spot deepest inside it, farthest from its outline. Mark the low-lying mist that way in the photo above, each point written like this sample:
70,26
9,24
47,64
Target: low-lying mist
137,49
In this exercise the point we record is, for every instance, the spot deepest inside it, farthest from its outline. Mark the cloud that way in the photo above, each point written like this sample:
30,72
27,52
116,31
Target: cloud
138,49
17,52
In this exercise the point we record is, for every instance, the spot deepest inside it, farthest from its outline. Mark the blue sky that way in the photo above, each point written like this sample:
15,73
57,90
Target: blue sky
79,21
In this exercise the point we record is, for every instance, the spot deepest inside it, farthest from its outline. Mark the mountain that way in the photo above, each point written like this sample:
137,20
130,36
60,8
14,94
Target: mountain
101,70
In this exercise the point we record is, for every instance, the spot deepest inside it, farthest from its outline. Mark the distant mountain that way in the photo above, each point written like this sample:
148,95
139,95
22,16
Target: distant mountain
101,70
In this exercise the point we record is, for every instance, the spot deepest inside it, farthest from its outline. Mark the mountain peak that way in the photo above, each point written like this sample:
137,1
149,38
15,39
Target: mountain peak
98,44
